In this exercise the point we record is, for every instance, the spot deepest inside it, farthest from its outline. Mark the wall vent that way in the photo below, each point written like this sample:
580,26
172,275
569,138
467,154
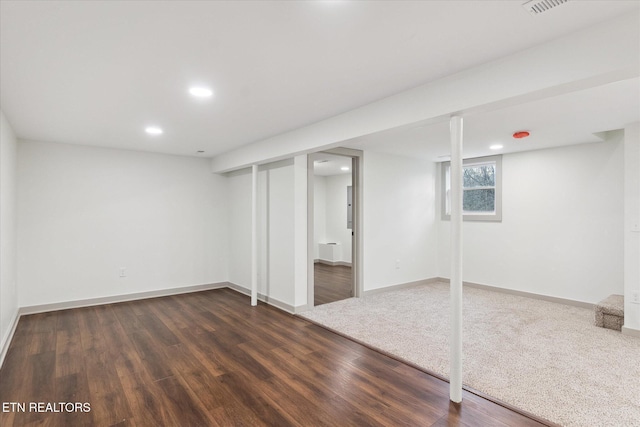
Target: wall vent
536,7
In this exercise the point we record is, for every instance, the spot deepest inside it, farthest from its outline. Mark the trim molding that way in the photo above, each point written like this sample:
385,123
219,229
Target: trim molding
4,348
268,300
33,309
402,286
331,263
548,298
301,309
630,332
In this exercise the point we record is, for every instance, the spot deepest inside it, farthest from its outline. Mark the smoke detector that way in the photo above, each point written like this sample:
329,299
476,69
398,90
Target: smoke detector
536,7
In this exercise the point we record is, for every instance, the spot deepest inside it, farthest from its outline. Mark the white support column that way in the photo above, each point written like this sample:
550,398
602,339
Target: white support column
254,235
455,380
631,229
300,231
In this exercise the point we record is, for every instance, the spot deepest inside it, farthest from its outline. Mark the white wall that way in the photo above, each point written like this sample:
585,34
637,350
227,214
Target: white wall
8,283
239,226
336,213
275,230
319,213
276,277
399,220
561,233
86,212
330,213
631,222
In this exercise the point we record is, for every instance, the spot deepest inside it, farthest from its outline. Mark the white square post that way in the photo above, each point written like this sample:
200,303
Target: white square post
455,380
254,235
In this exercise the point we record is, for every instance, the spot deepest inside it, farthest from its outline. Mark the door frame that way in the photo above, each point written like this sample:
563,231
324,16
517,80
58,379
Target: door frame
357,236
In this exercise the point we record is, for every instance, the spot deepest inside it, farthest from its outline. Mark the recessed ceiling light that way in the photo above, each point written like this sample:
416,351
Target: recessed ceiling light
344,168
153,130
200,92
496,147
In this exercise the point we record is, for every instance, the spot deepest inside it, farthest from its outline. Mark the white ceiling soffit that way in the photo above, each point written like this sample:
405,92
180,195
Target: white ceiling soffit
98,73
569,119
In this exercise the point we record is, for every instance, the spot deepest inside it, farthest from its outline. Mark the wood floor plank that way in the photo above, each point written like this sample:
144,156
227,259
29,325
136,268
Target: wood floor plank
90,330
158,330
370,405
73,388
300,379
69,353
331,283
40,385
151,355
108,400
203,352
378,372
141,391
294,406
178,401
210,359
177,316
253,395
222,404
235,358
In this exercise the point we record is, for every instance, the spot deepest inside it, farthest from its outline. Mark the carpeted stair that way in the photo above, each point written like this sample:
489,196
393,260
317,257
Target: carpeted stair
610,312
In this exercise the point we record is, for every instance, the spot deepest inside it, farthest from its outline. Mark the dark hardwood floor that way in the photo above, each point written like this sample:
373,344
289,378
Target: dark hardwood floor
210,359
331,283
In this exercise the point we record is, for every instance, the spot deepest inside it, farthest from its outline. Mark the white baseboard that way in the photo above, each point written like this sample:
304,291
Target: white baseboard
631,332
268,300
548,298
33,309
6,340
432,280
331,263
401,286
301,308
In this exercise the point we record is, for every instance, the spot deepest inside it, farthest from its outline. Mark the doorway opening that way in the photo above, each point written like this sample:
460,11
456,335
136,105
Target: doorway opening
333,214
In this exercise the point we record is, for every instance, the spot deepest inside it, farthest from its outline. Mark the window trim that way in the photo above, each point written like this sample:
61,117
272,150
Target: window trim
491,217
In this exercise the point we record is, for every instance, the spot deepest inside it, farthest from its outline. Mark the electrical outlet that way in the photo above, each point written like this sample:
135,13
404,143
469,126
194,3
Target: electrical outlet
635,297
397,264
123,272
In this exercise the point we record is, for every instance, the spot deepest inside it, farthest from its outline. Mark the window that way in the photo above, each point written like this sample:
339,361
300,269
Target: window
481,192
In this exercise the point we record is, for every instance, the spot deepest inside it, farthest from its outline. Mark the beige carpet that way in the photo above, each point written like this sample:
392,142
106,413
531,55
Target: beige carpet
546,358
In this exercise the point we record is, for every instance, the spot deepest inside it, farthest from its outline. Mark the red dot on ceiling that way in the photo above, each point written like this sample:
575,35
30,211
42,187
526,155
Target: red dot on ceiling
521,134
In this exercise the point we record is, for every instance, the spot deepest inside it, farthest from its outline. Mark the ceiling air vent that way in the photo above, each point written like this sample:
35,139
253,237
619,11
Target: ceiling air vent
536,7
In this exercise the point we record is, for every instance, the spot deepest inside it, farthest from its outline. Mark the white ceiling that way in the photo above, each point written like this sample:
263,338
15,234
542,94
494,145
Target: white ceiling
330,164
98,72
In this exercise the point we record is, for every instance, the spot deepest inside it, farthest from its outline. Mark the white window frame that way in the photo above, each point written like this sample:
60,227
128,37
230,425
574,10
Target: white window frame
496,215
